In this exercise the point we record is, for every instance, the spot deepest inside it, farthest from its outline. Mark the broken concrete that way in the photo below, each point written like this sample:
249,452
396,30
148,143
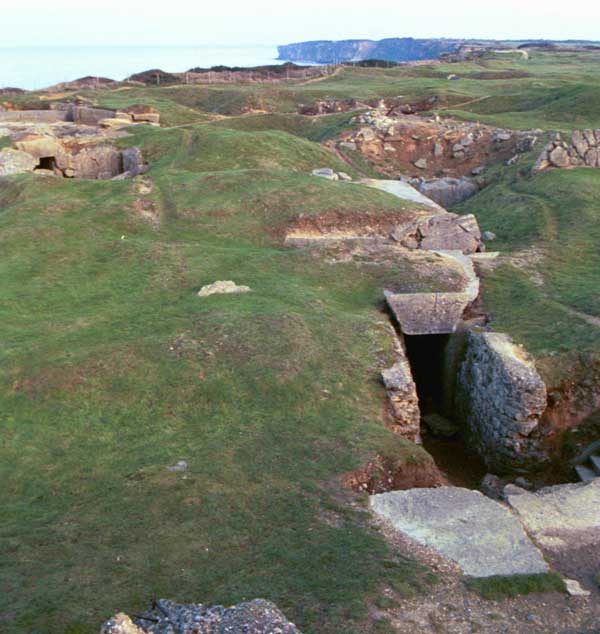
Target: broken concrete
70,150
559,517
480,534
15,162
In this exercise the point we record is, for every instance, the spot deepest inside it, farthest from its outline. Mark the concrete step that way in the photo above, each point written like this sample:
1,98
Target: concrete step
595,460
585,473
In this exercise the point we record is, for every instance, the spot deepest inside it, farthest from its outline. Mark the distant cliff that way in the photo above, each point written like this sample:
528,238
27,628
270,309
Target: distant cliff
403,49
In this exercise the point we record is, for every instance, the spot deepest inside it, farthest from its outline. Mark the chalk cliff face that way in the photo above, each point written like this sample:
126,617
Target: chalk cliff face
392,49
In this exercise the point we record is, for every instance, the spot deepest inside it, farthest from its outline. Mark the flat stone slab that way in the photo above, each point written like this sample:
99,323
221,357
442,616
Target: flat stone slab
428,313
482,536
402,190
562,516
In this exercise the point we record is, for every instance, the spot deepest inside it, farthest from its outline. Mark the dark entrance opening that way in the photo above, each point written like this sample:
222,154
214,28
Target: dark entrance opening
426,356
442,436
46,163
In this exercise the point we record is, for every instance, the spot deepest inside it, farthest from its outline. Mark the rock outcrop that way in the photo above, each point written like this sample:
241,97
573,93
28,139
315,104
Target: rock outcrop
583,150
500,398
166,617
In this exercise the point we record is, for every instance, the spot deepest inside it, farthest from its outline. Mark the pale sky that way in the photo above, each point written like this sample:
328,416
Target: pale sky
177,22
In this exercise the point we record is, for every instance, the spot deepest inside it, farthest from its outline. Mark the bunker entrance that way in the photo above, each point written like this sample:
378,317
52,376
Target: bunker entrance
442,435
46,163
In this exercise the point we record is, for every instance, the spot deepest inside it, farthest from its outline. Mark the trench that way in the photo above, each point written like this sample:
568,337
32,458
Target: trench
435,375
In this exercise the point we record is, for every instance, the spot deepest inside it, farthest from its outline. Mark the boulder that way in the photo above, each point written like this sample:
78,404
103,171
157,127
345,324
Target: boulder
559,157
15,162
481,535
592,157
448,191
580,143
438,150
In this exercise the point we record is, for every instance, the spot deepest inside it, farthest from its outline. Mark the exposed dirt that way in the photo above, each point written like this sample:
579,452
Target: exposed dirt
396,474
400,144
450,608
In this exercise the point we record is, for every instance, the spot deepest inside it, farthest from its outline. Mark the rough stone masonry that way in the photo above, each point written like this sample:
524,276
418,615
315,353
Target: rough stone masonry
583,150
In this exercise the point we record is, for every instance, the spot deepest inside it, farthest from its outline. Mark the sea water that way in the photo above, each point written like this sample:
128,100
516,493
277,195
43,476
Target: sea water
33,68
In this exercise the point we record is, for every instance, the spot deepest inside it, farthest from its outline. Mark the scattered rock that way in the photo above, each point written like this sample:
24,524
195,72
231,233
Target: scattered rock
574,588
182,465
166,617
344,177
421,164
348,145
325,172
480,534
222,288
477,171
488,236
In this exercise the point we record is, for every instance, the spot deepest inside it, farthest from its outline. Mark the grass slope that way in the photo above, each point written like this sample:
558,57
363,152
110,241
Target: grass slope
113,369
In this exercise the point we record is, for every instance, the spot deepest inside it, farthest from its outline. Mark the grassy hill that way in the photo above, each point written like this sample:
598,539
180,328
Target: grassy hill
112,369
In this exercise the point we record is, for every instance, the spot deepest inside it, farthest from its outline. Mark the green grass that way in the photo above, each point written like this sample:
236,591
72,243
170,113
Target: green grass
113,369
500,587
551,223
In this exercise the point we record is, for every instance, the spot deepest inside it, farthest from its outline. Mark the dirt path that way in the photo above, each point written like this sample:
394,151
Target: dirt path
316,79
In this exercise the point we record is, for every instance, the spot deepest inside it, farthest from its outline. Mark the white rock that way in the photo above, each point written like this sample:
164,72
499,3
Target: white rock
222,288
574,589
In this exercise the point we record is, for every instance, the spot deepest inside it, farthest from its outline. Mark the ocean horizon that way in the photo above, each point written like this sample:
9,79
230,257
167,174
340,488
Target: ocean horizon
33,68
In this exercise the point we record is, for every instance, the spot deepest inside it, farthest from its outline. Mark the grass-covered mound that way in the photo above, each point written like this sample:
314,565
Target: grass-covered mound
113,369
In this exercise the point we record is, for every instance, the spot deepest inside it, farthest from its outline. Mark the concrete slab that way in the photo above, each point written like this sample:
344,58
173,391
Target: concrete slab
481,535
559,517
428,313
402,190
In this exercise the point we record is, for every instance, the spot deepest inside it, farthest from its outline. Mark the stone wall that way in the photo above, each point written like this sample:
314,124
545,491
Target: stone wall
582,150
402,394
500,399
